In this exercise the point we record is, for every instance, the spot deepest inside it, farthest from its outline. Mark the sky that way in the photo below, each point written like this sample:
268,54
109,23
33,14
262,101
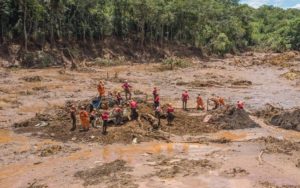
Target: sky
279,3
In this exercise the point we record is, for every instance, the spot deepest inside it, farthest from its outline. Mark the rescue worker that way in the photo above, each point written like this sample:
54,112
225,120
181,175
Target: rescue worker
119,98
133,106
73,117
185,97
218,102
170,114
118,113
240,105
154,92
93,118
221,101
127,91
200,103
84,118
156,101
105,117
111,100
158,112
101,89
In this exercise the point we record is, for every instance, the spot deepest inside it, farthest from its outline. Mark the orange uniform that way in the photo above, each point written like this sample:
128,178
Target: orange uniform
221,101
101,89
84,118
200,103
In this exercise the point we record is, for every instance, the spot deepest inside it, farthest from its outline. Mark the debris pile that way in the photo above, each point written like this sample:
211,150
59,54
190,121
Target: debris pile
170,168
232,118
276,145
281,59
32,78
287,119
235,172
103,175
51,150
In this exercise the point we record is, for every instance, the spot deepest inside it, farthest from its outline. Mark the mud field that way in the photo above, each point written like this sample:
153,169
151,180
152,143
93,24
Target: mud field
258,147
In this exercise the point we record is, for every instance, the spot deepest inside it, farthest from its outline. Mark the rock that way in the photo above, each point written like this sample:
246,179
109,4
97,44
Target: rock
42,124
207,118
52,134
74,138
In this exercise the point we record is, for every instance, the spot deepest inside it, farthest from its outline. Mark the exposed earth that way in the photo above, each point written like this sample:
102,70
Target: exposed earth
259,147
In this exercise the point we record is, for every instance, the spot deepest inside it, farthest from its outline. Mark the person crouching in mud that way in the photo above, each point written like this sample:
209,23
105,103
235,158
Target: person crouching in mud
105,116
170,114
133,106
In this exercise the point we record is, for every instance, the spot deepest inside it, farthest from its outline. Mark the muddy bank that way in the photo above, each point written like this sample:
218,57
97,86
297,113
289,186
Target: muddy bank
287,119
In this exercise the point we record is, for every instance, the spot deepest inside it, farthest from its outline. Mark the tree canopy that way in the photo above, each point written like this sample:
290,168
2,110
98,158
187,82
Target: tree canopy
216,26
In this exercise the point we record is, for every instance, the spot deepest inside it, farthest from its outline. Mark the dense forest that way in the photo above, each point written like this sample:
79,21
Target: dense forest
215,26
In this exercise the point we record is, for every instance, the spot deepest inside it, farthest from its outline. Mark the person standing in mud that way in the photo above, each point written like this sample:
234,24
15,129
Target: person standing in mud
84,118
101,89
154,93
158,112
185,97
127,91
133,107
118,113
93,118
200,103
170,114
156,101
119,98
73,117
105,117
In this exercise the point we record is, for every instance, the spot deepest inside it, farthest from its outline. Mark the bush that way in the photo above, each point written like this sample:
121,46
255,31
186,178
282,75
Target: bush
172,63
38,59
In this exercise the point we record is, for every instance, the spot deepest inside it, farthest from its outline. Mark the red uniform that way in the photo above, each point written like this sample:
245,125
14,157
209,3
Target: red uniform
105,116
118,110
240,105
126,86
154,92
157,99
170,109
185,96
133,104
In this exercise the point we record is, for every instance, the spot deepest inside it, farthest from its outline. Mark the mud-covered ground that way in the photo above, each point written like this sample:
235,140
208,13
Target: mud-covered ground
257,148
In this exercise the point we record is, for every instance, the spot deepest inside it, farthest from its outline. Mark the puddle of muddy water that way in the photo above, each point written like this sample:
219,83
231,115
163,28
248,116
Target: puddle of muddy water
131,153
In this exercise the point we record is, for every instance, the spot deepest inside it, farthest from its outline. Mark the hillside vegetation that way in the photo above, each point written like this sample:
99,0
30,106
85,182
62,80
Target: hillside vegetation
212,26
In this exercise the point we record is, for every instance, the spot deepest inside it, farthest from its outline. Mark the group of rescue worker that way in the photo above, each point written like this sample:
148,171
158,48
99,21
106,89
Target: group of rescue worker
90,118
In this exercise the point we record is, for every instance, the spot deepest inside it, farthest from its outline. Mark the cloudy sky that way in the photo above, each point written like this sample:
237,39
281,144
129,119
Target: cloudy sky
278,3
